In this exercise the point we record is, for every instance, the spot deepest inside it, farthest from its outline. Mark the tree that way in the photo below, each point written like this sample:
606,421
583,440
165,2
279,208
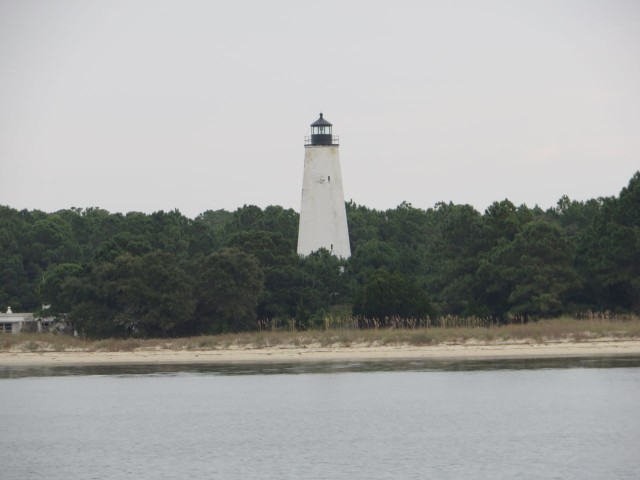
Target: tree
16,290
325,282
154,294
453,258
384,294
284,222
49,241
59,287
171,232
148,295
609,252
120,244
284,296
229,283
375,254
207,231
364,224
533,275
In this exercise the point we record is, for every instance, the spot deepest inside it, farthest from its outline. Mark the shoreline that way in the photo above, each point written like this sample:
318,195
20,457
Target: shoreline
291,354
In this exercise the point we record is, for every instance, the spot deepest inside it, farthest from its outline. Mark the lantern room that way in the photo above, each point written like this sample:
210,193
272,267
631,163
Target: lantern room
321,133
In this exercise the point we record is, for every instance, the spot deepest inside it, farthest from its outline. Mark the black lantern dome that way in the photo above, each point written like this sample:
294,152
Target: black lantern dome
321,133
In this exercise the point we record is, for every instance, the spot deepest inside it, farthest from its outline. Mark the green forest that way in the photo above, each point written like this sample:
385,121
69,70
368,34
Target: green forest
163,274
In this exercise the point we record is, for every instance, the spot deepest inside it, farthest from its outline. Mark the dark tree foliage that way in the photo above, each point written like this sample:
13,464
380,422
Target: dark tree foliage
164,274
608,252
228,283
533,273
385,295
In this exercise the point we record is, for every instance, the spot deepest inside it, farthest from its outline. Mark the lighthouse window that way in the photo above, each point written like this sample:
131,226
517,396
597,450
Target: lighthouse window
329,178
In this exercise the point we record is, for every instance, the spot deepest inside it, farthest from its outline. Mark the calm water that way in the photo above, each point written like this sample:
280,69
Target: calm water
572,419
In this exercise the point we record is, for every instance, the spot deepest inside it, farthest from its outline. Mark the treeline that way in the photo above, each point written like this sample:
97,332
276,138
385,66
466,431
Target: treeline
164,274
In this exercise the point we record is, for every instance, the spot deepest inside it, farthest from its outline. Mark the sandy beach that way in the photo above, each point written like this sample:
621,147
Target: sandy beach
325,354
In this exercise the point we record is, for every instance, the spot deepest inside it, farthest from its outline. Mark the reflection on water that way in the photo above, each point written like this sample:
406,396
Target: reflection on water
423,365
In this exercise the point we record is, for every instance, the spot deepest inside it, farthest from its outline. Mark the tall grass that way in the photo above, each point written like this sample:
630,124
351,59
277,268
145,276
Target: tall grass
349,331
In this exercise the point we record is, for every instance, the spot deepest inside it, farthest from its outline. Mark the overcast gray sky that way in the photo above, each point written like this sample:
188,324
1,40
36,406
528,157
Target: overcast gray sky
199,105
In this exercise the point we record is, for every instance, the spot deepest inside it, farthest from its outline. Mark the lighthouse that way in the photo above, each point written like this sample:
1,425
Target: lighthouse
323,217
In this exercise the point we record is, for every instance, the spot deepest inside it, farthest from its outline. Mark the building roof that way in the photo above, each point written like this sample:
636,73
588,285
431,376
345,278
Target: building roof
320,122
16,317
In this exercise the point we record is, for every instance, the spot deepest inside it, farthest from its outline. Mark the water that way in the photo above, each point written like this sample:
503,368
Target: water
570,419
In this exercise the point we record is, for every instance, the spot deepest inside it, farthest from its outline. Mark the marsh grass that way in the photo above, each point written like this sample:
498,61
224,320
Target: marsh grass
353,332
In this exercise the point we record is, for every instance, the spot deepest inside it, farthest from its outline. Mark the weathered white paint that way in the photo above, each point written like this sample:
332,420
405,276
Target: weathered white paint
323,217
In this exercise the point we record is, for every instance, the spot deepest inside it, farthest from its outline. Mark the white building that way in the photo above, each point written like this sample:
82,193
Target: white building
323,217
14,322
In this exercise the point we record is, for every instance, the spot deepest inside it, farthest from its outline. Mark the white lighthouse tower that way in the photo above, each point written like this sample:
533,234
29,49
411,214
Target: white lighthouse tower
323,217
